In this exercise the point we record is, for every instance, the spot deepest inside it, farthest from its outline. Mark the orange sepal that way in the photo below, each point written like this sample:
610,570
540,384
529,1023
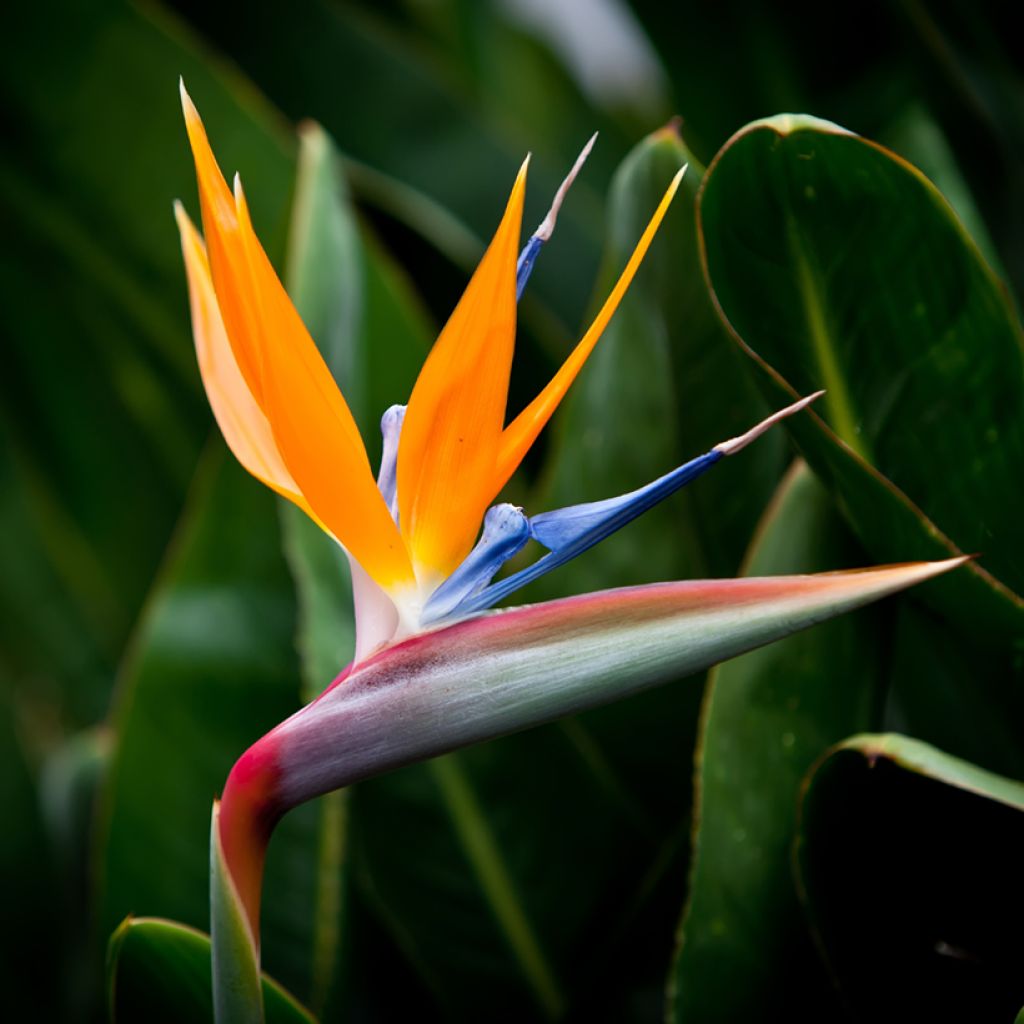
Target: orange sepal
224,248
451,436
314,429
241,421
523,430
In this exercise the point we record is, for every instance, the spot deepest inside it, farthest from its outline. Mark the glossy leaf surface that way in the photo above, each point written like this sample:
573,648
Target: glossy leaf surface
159,971
744,948
839,266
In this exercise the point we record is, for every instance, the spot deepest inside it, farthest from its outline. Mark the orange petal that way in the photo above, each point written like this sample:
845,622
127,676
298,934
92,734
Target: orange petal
314,429
224,245
241,421
452,432
523,430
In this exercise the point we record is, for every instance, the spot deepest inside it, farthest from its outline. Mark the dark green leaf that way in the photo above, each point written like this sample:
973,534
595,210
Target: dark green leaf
916,137
192,699
840,266
32,905
909,864
744,949
102,413
495,898
158,971
951,690
234,949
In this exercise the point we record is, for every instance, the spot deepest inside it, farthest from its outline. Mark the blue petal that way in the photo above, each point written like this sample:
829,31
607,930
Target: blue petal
524,266
567,533
506,531
387,480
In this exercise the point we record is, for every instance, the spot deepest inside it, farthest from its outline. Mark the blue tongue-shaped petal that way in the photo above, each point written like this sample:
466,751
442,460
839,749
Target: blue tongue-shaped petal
506,531
570,531
566,532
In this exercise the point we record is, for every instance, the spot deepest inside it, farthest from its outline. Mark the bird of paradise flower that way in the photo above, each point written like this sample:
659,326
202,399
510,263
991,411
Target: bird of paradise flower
434,669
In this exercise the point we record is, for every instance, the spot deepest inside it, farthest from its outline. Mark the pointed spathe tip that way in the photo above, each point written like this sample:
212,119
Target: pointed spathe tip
921,571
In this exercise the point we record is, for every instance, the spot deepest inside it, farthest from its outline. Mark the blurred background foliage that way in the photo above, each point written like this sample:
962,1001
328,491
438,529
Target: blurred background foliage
160,611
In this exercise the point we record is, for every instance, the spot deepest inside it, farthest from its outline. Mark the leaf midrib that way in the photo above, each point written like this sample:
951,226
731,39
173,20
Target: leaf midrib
842,415
481,848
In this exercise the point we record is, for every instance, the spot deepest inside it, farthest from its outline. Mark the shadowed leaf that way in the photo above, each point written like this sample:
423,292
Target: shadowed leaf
909,865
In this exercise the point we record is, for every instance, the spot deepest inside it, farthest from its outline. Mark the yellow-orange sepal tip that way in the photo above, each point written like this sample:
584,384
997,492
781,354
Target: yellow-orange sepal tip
211,182
243,424
228,264
451,436
523,430
314,427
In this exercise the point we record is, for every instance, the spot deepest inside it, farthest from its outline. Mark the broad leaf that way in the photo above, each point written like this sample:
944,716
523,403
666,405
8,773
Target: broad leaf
744,948
839,266
909,865
234,944
158,971
191,700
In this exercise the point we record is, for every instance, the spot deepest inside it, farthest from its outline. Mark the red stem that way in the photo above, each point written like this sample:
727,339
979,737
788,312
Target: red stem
249,810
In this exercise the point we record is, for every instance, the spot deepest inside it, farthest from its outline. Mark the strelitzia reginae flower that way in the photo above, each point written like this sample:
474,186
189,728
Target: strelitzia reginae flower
434,668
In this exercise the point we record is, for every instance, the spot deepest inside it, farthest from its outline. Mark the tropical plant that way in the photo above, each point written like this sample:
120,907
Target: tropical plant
715,848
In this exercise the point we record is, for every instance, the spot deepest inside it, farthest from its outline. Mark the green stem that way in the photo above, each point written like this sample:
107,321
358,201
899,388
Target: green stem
237,990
